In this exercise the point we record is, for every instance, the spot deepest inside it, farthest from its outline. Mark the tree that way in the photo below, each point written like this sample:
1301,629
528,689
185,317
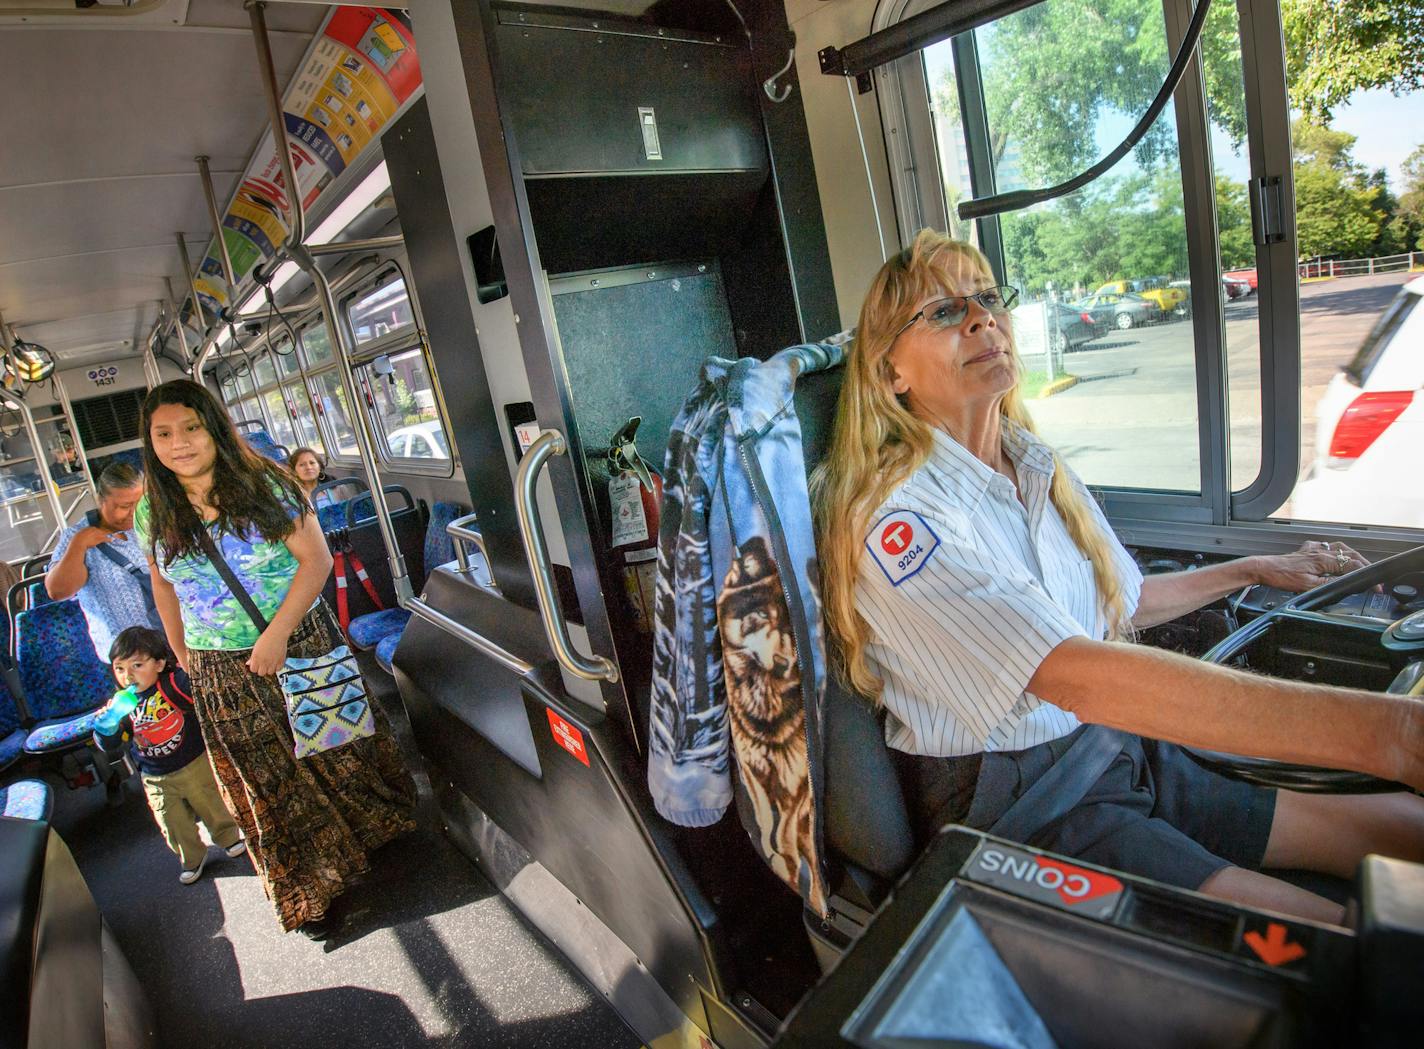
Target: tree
1410,216
1337,47
1337,208
1051,72
1233,223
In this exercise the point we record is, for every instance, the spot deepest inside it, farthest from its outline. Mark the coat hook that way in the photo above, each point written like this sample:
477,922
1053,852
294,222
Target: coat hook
769,84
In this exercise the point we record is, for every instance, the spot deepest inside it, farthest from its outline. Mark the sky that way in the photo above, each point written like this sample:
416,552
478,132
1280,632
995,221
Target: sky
1380,122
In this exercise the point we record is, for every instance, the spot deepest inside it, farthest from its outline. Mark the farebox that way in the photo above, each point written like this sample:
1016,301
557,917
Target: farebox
993,944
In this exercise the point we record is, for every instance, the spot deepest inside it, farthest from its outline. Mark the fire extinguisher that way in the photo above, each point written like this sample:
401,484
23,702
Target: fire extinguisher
635,495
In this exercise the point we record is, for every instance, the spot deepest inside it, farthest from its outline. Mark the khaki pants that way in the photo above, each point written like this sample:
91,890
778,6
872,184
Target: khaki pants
179,799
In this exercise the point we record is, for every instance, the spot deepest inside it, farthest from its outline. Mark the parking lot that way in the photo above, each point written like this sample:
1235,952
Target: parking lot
1132,418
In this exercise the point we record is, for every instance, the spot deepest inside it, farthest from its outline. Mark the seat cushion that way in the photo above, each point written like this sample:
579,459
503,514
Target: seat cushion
439,546
28,799
386,652
368,630
12,746
332,516
61,733
60,673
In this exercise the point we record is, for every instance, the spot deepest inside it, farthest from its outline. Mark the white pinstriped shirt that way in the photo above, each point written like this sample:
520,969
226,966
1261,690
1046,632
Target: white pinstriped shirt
967,590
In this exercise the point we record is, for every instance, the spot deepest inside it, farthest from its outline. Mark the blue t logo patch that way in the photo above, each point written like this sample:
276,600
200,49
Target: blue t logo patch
901,544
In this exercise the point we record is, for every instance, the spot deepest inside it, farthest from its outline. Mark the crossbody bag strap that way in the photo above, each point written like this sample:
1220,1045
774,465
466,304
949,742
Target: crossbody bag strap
215,558
121,559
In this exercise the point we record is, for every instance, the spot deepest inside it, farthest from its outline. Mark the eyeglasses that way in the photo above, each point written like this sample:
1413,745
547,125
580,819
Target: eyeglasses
949,311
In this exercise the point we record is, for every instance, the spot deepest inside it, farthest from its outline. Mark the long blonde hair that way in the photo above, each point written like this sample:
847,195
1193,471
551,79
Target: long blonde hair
877,443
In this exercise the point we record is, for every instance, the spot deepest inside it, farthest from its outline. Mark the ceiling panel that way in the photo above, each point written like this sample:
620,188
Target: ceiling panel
45,221
100,123
99,103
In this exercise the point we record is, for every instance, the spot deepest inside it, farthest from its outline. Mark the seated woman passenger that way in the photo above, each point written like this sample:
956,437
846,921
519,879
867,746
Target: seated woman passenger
975,588
309,469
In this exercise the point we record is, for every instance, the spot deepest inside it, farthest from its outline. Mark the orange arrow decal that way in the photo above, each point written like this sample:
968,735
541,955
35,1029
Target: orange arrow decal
1273,948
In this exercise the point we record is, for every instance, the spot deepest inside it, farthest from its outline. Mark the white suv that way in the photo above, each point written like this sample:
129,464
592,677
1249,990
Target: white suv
1370,427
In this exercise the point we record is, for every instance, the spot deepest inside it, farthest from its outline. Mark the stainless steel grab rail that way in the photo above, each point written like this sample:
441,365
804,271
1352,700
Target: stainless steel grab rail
460,531
458,630
595,668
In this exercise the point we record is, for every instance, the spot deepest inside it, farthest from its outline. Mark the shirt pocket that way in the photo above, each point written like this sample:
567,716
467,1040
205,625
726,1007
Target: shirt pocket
1074,589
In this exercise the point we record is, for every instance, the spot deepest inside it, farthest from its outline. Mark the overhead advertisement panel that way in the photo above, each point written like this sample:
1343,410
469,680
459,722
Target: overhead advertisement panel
359,73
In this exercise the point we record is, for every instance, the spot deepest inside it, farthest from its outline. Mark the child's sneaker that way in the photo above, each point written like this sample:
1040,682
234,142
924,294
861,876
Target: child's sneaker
187,877
237,848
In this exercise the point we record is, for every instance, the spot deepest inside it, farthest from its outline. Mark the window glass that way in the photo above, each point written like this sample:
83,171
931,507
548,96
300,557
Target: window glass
1104,327
1226,104
249,410
950,147
58,451
405,406
308,435
286,358
1359,196
265,369
282,430
337,418
380,311
316,346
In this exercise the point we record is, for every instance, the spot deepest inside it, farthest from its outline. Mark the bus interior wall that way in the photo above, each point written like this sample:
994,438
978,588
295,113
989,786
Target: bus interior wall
646,166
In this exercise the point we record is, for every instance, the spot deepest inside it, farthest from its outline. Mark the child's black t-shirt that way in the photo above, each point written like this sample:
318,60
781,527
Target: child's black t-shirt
165,728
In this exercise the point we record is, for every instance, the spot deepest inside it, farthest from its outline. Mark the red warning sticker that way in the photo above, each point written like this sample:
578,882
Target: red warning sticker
566,736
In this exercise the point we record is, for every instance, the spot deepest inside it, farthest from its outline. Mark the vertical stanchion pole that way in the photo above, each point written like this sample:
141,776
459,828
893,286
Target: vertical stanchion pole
297,252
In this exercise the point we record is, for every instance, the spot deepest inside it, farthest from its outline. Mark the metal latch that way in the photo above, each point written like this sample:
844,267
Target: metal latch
1268,223
648,121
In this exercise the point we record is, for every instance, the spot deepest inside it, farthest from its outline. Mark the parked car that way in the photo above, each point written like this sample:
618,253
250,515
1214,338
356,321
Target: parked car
1237,287
1167,296
421,441
1119,310
1242,276
1070,327
1370,427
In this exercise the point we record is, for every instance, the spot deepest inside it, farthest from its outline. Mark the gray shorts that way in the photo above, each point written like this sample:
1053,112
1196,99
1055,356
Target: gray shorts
1154,813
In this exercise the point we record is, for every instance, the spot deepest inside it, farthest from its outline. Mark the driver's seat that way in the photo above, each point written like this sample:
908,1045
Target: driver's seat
867,825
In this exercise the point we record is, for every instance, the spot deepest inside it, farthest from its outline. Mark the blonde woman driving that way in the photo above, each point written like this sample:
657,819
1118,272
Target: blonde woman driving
975,589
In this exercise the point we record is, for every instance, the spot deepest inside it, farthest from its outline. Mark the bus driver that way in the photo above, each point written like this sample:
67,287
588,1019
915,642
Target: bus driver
974,586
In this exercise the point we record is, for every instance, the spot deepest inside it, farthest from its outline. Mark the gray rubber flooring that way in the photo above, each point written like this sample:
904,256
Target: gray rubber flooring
431,954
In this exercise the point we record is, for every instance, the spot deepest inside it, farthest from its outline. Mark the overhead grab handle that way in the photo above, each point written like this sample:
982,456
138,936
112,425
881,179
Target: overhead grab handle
596,668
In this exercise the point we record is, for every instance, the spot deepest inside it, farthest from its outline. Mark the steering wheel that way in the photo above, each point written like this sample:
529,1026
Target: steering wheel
1404,635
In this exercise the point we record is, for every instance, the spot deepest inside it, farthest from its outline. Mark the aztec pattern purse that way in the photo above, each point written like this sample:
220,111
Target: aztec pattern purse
326,701
327,705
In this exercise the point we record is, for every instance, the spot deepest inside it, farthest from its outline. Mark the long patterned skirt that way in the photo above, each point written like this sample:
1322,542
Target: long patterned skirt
309,822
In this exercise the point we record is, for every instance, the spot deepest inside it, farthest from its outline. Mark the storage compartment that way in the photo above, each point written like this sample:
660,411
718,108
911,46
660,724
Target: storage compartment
636,142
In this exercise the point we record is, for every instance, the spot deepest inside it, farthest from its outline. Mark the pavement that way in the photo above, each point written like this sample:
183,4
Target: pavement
1131,419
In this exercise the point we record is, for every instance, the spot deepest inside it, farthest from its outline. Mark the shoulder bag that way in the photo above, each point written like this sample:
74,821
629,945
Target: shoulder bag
325,695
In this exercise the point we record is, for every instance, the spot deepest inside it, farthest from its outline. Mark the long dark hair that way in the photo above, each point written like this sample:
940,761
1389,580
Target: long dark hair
250,492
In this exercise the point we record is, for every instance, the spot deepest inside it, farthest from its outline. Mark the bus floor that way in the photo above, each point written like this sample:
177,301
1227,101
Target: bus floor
430,955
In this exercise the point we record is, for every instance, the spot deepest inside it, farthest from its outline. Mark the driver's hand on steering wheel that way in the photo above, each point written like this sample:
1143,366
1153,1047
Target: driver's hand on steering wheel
1312,565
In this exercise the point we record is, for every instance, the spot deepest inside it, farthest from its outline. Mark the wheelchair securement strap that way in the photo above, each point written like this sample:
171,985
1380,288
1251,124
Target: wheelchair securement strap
1066,783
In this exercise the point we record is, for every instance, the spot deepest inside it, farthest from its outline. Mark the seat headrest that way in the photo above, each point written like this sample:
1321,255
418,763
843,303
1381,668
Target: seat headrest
816,397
